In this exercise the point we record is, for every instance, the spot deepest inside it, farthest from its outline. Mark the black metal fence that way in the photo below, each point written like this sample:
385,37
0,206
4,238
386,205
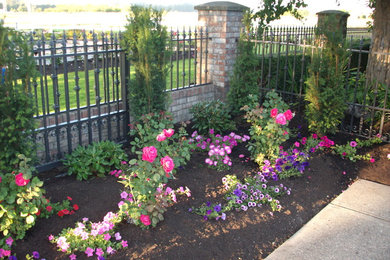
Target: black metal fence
80,93
284,57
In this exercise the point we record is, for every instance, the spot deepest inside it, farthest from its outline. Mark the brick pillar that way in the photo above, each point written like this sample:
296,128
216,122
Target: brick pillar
223,21
333,23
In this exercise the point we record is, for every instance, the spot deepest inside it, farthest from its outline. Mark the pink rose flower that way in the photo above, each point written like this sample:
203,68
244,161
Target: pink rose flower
168,133
149,153
288,114
20,180
167,164
274,112
145,219
281,119
161,137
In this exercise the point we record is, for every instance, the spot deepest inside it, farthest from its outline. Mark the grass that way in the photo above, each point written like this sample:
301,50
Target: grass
107,90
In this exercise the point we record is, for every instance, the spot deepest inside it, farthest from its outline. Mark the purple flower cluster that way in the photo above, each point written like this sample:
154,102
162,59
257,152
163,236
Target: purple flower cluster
256,193
219,148
289,163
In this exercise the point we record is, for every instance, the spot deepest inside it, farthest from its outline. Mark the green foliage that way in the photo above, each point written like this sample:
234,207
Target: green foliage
244,81
271,10
19,203
150,126
211,115
145,40
16,103
266,133
349,150
325,86
96,159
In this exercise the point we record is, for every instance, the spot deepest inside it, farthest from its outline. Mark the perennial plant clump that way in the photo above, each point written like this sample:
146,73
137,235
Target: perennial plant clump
349,150
253,192
268,126
218,147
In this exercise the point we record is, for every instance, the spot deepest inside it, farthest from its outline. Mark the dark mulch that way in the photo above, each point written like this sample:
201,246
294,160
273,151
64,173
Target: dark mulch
244,235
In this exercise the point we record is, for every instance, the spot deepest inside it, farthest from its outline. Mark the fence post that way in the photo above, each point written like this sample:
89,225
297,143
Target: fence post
125,84
223,21
333,21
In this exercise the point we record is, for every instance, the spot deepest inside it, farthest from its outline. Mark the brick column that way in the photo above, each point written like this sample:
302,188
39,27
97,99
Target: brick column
223,21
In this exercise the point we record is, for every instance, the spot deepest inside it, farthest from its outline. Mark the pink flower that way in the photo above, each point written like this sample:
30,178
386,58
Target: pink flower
285,133
9,241
303,141
107,236
149,153
0,179
168,133
344,153
6,252
315,136
124,195
110,250
124,243
296,144
274,112
72,257
118,236
353,144
281,119
211,131
288,114
145,219
167,164
372,160
241,156
99,252
51,237
161,137
89,251
20,180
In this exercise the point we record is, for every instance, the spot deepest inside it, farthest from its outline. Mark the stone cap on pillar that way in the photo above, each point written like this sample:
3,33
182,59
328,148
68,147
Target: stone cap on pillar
221,6
334,12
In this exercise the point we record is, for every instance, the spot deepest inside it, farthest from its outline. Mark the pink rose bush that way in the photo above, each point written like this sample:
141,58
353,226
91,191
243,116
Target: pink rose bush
269,126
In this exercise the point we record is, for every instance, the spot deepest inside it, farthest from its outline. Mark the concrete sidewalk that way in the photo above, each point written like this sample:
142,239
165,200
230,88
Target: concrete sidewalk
355,225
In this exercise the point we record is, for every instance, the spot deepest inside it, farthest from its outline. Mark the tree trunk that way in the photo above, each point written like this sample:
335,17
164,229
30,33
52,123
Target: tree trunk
378,67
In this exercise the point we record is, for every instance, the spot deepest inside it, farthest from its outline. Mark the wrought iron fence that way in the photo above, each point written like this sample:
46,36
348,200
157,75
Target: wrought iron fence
80,93
283,60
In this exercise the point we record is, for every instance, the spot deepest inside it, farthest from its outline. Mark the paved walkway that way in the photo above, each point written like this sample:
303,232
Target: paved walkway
355,225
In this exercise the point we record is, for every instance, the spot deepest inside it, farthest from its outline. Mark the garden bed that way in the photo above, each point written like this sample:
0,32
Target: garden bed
253,234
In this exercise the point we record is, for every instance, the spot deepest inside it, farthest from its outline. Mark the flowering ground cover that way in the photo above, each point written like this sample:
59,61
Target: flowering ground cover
250,234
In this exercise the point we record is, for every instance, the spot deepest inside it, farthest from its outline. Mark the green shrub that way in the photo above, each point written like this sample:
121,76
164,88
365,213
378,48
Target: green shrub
96,159
16,103
211,115
244,81
325,87
145,40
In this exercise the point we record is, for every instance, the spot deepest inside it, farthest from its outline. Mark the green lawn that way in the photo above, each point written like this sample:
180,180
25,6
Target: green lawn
175,79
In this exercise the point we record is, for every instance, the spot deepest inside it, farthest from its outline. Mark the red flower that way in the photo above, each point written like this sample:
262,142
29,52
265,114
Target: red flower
71,213
288,114
65,211
49,208
38,213
145,219
167,174
274,112
60,213
76,207
69,198
20,180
